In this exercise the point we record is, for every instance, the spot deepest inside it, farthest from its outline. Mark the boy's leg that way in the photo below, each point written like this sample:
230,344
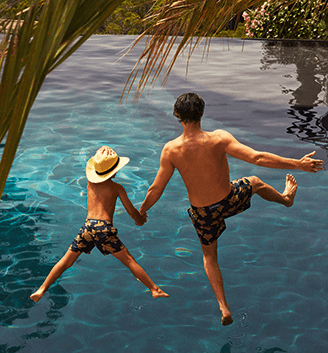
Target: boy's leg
213,273
269,193
63,264
128,260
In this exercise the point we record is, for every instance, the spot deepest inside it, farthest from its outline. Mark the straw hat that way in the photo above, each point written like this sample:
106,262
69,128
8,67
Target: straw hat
104,164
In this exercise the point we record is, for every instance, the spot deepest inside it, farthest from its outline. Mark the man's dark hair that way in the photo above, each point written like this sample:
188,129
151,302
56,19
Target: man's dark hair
189,108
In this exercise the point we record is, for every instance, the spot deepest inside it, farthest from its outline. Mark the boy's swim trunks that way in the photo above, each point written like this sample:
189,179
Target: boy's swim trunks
95,232
209,221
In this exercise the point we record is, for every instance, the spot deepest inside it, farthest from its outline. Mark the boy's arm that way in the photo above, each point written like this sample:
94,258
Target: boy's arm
131,210
163,176
269,160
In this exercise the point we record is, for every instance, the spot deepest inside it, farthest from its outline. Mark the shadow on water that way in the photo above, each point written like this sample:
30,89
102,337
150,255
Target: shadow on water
22,264
239,336
227,349
311,62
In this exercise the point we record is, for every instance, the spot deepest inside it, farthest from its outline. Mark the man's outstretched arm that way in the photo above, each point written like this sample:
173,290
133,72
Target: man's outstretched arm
163,176
270,160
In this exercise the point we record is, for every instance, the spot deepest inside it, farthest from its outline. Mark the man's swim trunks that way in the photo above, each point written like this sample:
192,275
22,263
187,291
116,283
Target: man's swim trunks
95,232
209,221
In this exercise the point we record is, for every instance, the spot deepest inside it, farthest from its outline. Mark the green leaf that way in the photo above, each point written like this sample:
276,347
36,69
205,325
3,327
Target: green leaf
35,48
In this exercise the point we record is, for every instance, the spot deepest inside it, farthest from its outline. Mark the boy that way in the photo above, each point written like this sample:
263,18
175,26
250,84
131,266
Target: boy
98,228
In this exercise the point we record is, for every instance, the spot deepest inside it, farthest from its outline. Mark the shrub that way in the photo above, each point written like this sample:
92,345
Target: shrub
126,19
276,19
238,33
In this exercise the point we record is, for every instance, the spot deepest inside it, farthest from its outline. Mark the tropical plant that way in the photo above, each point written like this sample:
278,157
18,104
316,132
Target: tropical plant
238,32
304,19
30,50
51,30
175,24
9,8
127,18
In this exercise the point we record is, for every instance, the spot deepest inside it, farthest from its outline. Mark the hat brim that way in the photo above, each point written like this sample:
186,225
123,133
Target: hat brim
93,177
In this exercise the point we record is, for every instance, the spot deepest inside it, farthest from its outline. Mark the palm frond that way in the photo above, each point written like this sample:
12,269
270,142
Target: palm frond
30,50
181,24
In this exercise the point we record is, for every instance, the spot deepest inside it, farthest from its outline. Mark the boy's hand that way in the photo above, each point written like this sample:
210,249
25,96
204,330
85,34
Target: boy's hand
142,219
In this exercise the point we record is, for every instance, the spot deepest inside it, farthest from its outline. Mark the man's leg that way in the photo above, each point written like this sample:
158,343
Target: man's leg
269,193
213,273
129,261
63,264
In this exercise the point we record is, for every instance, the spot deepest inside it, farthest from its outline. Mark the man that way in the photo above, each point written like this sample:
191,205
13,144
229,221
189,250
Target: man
201,159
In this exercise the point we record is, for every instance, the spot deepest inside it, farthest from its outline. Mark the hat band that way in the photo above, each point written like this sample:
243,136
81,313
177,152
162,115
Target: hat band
110,169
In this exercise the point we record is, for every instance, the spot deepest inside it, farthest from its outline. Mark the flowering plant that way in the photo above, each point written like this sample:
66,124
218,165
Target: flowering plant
278,19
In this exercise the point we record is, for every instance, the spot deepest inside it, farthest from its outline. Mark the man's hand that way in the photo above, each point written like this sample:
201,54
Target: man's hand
309,164
142,219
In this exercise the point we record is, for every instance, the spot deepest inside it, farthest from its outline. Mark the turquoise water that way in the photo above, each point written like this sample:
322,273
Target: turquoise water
274,260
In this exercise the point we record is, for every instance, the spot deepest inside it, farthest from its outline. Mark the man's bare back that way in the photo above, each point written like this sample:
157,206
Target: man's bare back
202,163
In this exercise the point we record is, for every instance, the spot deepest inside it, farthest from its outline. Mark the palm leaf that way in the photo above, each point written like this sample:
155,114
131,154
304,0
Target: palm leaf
184,23
30,50
36,48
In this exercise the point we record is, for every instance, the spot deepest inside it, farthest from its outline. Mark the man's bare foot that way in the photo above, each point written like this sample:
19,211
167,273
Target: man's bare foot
36,296
290,190
226,318
158,292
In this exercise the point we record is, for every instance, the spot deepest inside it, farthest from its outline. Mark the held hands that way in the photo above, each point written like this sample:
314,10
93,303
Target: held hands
309,164
142,219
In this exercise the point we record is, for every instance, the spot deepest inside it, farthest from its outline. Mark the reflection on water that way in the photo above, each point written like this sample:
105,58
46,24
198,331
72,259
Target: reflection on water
311,62
307,126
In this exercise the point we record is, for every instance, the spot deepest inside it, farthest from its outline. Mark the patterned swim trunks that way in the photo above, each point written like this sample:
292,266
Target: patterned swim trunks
209,221
95,232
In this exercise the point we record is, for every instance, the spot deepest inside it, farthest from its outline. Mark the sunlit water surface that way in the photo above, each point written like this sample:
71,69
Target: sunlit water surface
274,260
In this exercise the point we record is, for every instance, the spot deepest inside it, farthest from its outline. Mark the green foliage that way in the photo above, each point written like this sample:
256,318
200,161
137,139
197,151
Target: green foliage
126,19
51,30
9,9
30,50
278,19
240,32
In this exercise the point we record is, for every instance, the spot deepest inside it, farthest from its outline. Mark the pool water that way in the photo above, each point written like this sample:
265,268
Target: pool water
274,260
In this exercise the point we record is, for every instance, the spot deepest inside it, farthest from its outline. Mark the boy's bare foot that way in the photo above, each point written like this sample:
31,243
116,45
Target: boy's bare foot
158,292
290,190
226,318
36,296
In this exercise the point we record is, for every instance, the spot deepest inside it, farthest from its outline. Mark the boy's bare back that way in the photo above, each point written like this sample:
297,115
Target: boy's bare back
102,200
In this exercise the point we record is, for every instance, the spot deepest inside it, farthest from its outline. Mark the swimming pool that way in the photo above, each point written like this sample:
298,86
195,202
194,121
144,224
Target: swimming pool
274,260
